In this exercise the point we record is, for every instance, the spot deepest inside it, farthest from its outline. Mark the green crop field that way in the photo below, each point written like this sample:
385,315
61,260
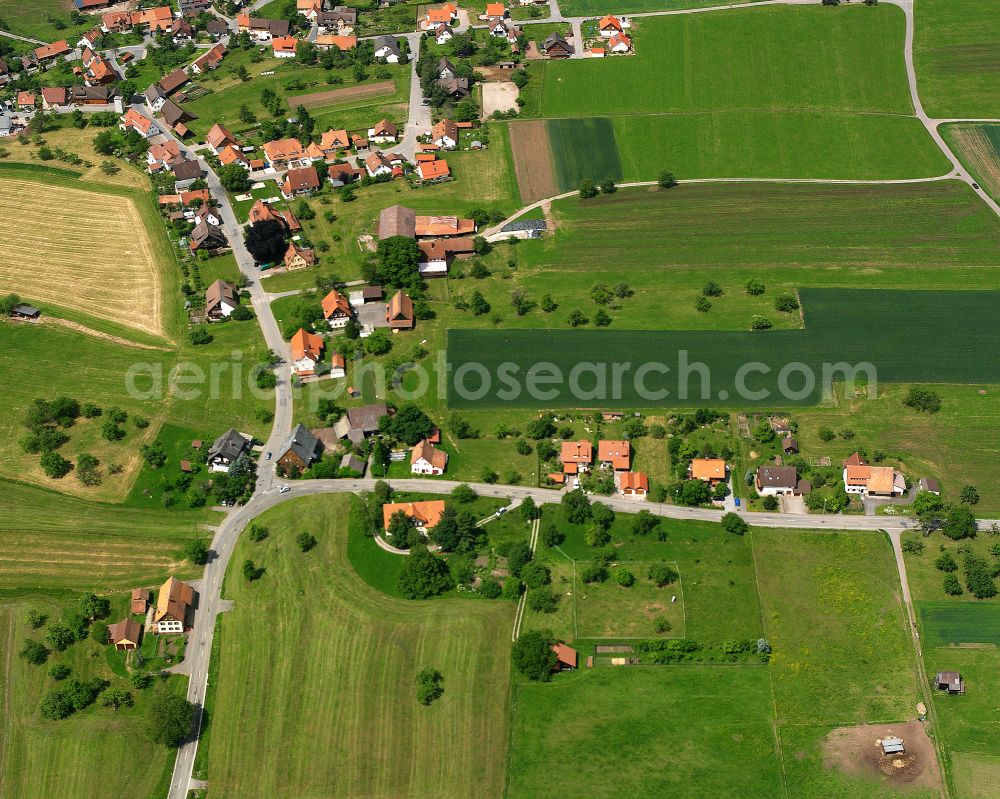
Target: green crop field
948,623
341,717
685,731
836,80
96,751
580,8
582,149
956,50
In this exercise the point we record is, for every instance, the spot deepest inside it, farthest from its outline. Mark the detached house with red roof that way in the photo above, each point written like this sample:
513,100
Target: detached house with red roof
219,138
576,456
620,43
873,481
297,257
425,458
609,26
633,484
432,171
616,454
299,182
307,351
337,309
284,46
133,120
209,61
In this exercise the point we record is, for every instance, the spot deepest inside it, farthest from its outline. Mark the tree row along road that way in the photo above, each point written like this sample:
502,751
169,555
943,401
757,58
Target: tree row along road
267,494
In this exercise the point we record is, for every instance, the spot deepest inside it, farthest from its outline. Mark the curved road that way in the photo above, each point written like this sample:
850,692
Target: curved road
267,494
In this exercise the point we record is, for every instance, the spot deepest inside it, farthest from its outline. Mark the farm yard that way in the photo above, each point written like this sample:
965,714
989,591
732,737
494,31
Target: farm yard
956,58
837,120
358,653
978,147
74,243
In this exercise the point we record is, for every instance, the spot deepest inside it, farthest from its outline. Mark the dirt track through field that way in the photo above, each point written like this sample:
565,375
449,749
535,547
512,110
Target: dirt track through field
335,96
80,250
536,177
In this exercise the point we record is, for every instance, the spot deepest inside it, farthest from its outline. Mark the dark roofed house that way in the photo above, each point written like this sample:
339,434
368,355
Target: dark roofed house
354,463
774,480
185,171
300,450
525,228
226,450
455,88
172,82
25,312
397,220
176,117
790,446
366,418
446,70
216,28
929,484
221,299
207,237
556,46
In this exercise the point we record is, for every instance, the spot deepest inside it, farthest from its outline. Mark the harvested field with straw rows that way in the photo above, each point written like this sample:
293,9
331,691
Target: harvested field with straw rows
536,177
979,147
80,250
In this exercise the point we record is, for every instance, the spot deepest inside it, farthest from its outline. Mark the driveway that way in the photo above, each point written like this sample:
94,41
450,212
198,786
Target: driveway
370,316
793,505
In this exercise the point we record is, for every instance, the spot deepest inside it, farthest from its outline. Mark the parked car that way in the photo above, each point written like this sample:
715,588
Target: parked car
284,490
268,456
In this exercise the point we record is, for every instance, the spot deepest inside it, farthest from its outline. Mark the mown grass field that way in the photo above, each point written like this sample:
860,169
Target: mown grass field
52,541
978,147
703,118
34,19
956,49
94,752
686,731
89,237
952,623
349,689
579,8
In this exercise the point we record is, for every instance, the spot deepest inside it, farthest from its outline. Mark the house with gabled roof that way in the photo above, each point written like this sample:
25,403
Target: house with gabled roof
328,41
377,165
285,154
299,182
609,25
140,601
432,171
210,60
133,120
297,257
576,456
423,515
874,481
54,97
708,470
445,134
779,480
384,131
399,312
446,70
337,309
556,46
262,211
300,450
614,453
172,605
620,43
125,635
633,484
221,299
387,48
226,450
307,351
443,33
49,51
425,458
218,138
284,46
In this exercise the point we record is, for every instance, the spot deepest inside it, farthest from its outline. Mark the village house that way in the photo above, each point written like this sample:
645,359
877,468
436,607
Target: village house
609,26
445,134
232,154
297,257
433,170
221,299
328,41
262,30
226,450
217,28
425,458
496,12
930,485
343,174
501,29
338,365
333,141
219,138
181,31
614,454
423,515
778,481
285,154
140,601
207,213
443,33
337,309
25,313
299,182
383,132
789,446
633,484
133,120
708,470
437,16
377,164
186,171
446,70
172,604
210,60
620,43
300,451
284,46
436,255
360,422
125,634
576,456
874,481
387,48
307,352
192,8
175,117
342,20
260,211
26,101
309,8
91,38
100,72
399,312
54,50
161,154
91,95
456,88
556,46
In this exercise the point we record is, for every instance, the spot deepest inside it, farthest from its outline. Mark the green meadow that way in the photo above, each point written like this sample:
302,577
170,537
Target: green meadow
956,50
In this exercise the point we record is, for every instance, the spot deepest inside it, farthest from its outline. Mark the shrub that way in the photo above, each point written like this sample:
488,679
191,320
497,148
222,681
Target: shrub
535,574
624,577
662,574
735,524
754,287
490,588
429,686
952,586
786,303
946,562
594,573
923,400
543,600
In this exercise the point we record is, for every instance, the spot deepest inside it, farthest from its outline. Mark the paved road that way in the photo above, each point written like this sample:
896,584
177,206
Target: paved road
419,120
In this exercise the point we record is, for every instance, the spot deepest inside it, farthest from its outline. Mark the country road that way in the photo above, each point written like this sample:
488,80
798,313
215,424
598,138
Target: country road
268,494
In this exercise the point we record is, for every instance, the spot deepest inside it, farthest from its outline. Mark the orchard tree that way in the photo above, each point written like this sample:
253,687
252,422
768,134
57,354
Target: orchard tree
533,656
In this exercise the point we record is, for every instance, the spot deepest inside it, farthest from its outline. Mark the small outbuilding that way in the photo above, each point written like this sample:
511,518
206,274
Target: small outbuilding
566,656
125,634
950,681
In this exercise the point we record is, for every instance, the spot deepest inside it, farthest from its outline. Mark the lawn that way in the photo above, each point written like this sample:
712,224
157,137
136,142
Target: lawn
956,48
836,81
96,751
685,731
228,93
350,687
53,541
47,20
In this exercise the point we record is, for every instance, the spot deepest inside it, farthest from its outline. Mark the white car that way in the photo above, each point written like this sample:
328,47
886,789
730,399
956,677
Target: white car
284,490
